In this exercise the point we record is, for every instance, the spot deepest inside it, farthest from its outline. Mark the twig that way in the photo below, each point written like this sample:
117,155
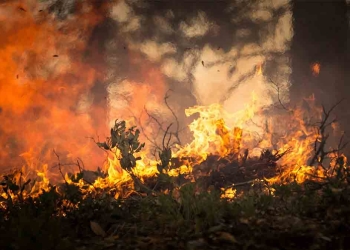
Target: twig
176,133
159,128
320,142
240,184
278,89
59,166
165,134
96,142
160,125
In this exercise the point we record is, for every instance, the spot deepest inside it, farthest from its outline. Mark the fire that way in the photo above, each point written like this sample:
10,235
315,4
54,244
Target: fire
229,193
316,68
41,84
45,109
212,135
258,69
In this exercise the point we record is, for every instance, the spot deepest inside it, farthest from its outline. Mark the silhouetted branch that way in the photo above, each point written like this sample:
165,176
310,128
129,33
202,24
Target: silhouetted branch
278,89
320,142
176,133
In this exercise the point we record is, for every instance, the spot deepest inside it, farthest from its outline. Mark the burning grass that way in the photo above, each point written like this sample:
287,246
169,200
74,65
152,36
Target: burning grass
218,190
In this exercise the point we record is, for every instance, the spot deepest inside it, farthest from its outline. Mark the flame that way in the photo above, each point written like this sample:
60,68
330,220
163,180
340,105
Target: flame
212,135
41,83
316,68
258,69
44,107
45,80
229,193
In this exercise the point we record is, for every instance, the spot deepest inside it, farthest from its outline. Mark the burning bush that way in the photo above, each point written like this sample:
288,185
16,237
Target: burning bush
210,192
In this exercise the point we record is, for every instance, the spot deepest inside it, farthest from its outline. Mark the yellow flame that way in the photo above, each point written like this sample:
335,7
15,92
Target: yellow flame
229,193
210,132
258,69
215,132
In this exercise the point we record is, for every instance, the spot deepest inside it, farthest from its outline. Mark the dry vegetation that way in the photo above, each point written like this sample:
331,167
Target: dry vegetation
228,202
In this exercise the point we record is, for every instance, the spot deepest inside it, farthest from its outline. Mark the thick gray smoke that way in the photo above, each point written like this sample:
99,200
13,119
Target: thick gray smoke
206,53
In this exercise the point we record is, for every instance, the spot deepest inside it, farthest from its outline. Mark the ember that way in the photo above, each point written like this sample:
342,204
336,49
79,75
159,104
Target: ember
316,68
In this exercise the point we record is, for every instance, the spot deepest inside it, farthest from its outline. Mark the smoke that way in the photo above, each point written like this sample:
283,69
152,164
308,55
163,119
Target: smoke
70,68
206,54
43,76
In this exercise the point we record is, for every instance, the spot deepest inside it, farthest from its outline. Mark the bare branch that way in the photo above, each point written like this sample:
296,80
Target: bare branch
176,133
320,142
165,134
278,89
59,166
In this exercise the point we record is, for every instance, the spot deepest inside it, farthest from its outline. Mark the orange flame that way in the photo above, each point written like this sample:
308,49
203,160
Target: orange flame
316,68
41,82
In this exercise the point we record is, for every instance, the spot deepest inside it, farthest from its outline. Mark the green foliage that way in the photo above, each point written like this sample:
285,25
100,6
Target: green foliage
186,209
127,141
